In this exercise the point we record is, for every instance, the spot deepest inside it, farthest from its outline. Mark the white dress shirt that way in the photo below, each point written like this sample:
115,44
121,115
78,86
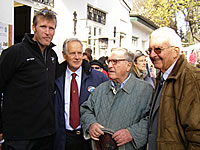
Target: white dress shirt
68,78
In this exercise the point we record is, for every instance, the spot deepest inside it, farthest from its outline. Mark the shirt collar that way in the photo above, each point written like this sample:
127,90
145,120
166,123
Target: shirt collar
78,72
169,70
123,83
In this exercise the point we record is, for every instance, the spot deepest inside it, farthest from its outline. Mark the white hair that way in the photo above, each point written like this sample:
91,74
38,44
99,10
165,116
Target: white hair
168,35
127,54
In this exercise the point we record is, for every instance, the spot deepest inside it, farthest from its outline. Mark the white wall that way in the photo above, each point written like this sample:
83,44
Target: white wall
143,34
117,15
6,12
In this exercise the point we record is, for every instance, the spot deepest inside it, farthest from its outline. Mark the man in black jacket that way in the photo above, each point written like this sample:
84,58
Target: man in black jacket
27,74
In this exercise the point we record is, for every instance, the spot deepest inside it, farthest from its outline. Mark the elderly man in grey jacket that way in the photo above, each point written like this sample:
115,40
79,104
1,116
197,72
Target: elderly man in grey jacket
121,104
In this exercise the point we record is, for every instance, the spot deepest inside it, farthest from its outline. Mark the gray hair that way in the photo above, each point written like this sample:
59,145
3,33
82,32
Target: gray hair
169,35
129,56
67,41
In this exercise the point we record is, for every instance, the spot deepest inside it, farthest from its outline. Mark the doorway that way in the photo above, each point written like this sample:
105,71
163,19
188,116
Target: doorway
22,21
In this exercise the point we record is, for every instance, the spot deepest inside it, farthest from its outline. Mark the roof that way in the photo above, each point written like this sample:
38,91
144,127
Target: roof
141,19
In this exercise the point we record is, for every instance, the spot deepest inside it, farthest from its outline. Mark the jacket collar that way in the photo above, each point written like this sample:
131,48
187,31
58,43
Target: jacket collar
63,66
29,38
135,71
178,68
176,71
127,86
60,77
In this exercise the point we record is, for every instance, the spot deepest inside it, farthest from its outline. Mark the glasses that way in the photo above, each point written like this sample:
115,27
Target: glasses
114,61
95,67
157,50
47,11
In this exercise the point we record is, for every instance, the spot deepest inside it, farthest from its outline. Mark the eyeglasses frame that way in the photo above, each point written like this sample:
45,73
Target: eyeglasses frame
114,61
157,51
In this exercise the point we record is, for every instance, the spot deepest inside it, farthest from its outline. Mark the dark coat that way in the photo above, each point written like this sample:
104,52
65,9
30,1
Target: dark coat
89,78
27,83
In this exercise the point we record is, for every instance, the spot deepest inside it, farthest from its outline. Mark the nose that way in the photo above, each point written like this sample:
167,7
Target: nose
77,56
110,64
152,54
47,31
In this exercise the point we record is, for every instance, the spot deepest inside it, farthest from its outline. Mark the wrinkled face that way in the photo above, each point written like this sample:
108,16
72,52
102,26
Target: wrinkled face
167,55
141,63
118,66
44,31
74,55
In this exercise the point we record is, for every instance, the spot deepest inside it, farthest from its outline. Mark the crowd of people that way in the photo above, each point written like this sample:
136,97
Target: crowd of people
50,106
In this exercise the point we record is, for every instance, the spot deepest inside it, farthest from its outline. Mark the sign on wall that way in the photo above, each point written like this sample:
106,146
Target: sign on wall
3,36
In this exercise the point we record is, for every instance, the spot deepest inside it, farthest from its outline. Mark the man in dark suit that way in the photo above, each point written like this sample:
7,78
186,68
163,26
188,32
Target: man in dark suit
69,137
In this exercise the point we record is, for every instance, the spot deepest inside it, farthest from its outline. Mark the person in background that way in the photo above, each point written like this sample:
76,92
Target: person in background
87,57
192,58
139,68
121,104
103,61
73,70
97,65
27,75
88,52
174,116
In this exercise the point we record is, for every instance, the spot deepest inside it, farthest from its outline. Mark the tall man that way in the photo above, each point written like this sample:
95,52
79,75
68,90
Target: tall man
27,74
121,104
68,133
174,116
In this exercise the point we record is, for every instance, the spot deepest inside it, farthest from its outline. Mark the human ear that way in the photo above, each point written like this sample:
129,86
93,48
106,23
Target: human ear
175,52
129,66
64,55
33,28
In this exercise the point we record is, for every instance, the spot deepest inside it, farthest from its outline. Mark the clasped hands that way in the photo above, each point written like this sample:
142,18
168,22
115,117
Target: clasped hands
121,137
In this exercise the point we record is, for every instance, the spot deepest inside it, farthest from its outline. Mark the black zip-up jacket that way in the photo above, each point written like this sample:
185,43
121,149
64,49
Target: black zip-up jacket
27,83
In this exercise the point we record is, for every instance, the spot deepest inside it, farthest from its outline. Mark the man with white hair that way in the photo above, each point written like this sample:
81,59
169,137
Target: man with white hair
174,116
121,104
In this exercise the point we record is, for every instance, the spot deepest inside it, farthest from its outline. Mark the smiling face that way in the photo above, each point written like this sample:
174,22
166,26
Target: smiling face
118,72
44,31
73,55
166,57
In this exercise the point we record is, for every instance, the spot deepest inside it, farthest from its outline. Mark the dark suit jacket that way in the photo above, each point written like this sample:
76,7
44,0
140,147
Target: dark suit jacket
153,126
89,78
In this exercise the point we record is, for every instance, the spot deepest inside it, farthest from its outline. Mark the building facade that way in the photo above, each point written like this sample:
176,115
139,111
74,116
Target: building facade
99,24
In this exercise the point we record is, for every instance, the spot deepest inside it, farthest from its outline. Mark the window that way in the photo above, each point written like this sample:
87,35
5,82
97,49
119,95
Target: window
96,15
99,31
95,31
135,41
46,2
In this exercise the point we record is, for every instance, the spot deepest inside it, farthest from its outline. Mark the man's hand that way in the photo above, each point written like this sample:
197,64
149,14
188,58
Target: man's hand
122,137
95,131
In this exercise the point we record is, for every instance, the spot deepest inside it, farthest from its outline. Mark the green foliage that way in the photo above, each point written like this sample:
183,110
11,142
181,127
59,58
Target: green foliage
164,13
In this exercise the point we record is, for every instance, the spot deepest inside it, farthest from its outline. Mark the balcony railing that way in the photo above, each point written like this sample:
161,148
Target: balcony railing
45,2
